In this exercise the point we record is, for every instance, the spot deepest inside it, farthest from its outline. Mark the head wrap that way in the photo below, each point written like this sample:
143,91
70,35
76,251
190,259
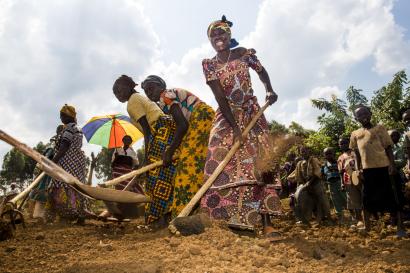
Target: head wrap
69,110
224,25
154,79
124,80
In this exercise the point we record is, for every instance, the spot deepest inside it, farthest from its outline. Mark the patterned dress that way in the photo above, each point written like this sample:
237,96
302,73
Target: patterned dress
160,183
63,199
194,146
238,195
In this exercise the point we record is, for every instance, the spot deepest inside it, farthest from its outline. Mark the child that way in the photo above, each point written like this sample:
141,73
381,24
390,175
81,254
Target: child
347,164
309,193
330,173
373,148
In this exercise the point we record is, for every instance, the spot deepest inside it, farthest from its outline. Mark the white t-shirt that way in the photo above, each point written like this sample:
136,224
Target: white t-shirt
129,152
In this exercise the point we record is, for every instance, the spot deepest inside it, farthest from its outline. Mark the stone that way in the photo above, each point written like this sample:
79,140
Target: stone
107,247
10,249
299,255
150,268
190,225
263,243
339,262
40,236
174,242
194,250
317,254
259,262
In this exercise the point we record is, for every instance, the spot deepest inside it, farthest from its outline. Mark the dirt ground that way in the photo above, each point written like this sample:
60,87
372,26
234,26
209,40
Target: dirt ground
130,247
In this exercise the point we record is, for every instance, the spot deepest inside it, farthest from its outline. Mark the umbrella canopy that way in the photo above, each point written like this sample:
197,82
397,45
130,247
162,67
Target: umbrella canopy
108,131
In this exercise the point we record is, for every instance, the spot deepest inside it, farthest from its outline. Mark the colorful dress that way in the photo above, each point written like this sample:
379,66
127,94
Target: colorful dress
237,195
160,182
63,199
192,151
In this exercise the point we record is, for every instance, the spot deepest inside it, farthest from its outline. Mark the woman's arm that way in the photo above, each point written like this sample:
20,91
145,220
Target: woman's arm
216,88
64,146
181,130
271,96
146,130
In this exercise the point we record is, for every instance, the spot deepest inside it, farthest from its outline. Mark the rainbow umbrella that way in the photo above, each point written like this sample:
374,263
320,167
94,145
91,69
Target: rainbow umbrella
108,131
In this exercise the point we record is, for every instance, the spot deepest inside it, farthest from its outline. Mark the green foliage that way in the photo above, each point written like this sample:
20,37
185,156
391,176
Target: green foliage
13,167
277,128
103,164
318,141
298,130
390,100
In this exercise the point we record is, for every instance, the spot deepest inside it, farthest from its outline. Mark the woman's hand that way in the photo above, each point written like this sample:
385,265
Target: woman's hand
271,97
167,157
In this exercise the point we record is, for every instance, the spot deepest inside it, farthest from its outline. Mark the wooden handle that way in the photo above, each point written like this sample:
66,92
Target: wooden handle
188,208
60,174
28,189
132,174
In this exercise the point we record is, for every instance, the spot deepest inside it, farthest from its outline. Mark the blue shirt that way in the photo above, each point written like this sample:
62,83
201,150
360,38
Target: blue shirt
330,171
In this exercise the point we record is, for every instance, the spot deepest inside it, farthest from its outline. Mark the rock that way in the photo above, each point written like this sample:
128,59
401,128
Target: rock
10,249
185,255
259,262
40,236
107,247
339,262
194,250
388,270
281,268
299,255
226,257
285,263
150,268
194,224
174,242
317,254
263,243
385,252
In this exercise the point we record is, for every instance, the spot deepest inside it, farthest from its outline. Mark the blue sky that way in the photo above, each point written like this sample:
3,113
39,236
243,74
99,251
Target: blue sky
56,52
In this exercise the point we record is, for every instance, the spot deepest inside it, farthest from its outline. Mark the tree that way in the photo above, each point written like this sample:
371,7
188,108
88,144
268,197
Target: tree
298,130
13,169
390,100
277,128
103,164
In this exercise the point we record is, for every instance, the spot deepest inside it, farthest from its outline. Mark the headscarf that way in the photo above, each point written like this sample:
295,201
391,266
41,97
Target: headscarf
69,111
224,25
154,79
124,80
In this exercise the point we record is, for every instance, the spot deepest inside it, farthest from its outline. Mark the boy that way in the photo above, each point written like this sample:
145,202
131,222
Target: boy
330,174
309,193
373,149
347,164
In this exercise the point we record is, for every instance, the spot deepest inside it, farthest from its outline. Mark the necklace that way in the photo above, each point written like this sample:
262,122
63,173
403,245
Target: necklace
227,60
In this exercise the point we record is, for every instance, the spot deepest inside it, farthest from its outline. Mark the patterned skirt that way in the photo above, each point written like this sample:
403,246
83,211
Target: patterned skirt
237,194
241,205
193,149
160,183
63,200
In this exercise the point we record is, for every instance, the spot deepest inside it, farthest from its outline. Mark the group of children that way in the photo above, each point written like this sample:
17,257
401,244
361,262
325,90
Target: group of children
368,178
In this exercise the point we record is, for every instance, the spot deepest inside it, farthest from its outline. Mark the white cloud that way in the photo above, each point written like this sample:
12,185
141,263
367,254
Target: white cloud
307,44
56,52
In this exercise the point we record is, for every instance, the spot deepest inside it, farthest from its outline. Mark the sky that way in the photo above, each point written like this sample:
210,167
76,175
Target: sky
54,52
